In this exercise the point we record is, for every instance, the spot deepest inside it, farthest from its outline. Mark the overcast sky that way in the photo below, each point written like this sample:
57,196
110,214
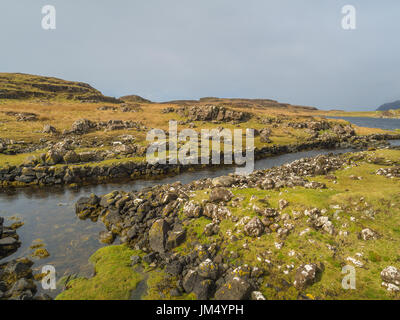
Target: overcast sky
292,51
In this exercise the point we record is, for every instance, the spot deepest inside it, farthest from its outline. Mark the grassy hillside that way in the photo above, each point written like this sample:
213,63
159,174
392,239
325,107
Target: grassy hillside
134,99
18,86
390,106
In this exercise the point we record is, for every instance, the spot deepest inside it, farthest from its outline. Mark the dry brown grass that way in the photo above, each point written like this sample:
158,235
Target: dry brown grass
61,115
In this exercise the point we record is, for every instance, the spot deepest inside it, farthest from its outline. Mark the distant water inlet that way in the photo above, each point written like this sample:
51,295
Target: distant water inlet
379,123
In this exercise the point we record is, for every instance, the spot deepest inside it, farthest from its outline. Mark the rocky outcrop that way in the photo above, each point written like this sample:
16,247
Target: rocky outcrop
22,116
213,113
393,172
83,126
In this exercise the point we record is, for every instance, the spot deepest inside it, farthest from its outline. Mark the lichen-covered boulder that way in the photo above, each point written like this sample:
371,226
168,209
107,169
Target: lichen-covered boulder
208,269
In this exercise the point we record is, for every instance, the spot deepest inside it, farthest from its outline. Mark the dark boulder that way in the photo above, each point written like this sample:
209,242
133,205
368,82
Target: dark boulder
157,235
306,275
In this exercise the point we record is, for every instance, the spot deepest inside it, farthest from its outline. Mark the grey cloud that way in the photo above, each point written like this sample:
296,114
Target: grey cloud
293,51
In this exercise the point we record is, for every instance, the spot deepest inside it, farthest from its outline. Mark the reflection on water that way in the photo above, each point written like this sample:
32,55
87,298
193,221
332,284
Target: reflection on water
49,215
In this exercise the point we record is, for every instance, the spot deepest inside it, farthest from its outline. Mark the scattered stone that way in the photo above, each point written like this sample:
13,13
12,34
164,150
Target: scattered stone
107,237
220,194
235,289
135,260
203,289
283,204
306,275
356,262
49,129
190,280
368,234
192,209
41,253
254,228
224,181
391,278
257,295
174,268
149,258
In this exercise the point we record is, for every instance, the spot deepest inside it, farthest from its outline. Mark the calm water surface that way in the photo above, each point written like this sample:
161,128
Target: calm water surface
386,124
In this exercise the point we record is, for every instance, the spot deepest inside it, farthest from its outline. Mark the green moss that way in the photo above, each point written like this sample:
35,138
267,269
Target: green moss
18,159
114,278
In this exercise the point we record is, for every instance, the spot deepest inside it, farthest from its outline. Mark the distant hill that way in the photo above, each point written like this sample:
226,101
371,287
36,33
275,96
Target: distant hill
135,99
389,106
21,86
241,103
